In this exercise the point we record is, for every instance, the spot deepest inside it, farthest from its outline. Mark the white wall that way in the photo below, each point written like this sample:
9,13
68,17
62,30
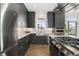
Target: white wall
21,23
78,24
21,16
22,20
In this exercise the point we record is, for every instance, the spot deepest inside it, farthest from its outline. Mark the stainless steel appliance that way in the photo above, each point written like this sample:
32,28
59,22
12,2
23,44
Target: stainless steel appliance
9,38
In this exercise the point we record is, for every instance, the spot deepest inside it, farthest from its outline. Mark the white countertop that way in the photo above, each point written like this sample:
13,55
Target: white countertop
22,32
53,36
23,35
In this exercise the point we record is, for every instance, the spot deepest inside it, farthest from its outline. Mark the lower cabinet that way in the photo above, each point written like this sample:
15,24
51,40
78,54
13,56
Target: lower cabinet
38,39
54,50
23,45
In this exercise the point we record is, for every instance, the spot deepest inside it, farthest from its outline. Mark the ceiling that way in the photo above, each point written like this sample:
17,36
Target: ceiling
71,5
40,7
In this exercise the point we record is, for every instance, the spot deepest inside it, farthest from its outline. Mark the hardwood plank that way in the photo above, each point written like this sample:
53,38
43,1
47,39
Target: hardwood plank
37,50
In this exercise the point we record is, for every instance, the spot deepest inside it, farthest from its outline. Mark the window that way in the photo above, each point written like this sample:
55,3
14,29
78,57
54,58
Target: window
40,23
72,27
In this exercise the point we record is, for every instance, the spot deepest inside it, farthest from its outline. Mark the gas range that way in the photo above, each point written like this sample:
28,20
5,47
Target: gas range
69,41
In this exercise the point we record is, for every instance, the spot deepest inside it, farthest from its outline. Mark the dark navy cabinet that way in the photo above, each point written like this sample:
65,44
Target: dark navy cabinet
51,19
38,39
56,19
23,45
31,19
59,19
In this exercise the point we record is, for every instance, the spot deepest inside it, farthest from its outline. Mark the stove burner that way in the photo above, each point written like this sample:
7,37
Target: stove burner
69,41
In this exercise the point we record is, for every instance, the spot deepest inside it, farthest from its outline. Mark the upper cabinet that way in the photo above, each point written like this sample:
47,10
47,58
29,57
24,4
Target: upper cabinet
60,16
59,19
51,19
31,19
56,19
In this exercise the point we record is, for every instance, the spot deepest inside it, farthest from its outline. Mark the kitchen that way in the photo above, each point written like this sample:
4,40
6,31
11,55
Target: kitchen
39,29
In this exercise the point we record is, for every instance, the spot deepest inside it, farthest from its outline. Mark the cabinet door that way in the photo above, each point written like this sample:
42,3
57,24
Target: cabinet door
26,42
23,45
54,50
31,20
51,19
38,39
59,19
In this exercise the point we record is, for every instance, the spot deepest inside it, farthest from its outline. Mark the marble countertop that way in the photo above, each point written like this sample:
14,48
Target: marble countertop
23,35
53,36
23,32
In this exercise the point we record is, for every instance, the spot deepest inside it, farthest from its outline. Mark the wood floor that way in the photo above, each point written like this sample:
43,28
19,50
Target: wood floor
37,50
